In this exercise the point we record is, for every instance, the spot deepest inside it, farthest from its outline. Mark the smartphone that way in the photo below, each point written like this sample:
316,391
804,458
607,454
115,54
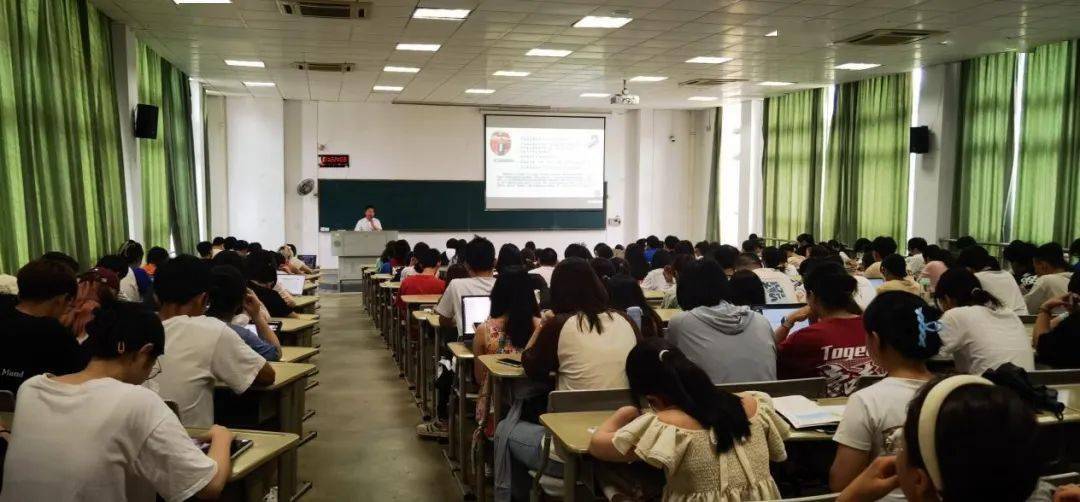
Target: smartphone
237,447
510,362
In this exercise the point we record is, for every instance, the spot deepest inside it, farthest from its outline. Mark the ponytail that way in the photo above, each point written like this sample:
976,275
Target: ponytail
964,288
655,367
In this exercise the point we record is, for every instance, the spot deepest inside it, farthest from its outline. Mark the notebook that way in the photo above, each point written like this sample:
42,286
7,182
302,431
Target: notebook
803,413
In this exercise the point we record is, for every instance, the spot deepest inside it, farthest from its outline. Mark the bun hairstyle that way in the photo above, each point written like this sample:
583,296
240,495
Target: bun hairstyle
655,367
960,285
904,323
130,324
983,440
832,286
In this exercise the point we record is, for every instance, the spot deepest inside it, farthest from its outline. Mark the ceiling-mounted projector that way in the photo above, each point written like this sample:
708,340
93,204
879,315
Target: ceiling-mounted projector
624,97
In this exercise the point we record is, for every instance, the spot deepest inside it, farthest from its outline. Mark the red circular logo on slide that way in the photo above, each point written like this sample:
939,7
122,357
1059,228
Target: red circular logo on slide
500,143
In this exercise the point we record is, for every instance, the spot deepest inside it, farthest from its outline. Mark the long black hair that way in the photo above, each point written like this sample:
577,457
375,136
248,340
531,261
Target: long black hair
655,367
635,258
513,297
894,316
575,289
832,286
625,293
963,288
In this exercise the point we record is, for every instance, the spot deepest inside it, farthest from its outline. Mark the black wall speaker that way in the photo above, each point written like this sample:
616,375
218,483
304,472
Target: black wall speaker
920,139
146,121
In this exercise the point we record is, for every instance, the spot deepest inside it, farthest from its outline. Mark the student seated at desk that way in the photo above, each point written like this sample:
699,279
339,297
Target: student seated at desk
1053,276
480,260
137,282
625,293
1058,339
547,258
262,277
577,250
413,265
995,281
1020,256
881,247
100,435
711,445
745,289
231,259
293,261
894,270
229,296
635,259
660,277
901,335
976,330
205,250
278,287
155,257
32,339
779,287
834,345
963,439
426,282
199,350
731,343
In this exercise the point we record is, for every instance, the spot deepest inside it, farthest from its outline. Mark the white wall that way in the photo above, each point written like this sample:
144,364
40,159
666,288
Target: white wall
217,151
127,96
662,174
930,203
256,169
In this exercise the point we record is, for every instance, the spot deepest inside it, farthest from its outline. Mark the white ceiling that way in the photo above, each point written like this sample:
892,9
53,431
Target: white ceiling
663,35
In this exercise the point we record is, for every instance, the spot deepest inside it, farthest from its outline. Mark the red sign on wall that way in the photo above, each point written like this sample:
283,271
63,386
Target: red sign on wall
336,160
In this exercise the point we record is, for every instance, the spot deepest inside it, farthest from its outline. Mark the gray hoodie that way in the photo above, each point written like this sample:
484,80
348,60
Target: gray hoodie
732,344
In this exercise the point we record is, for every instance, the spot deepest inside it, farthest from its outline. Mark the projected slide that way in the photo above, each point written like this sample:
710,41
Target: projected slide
534,162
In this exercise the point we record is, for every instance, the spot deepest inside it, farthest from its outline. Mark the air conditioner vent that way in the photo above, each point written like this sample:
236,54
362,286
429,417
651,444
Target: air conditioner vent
326,9
710,82
325,67
880,38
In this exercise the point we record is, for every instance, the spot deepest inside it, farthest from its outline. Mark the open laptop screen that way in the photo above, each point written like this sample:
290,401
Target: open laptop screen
775,313
275,326
474,310
308,259
294,284
876,283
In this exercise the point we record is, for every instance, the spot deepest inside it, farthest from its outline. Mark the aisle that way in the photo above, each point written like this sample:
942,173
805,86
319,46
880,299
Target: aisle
367,448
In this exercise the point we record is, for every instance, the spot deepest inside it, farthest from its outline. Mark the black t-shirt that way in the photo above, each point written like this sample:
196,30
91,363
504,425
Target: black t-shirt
1060,347
273,302
30,346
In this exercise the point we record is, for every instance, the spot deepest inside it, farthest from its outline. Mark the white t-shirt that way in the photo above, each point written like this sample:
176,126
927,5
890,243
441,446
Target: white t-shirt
129,287
544,271
199,352
450,302
655,281
297,263
874,413
865,292
407,271
915,264
591,360
1046,287
99,440
779,288
980,339
368,226
1003,286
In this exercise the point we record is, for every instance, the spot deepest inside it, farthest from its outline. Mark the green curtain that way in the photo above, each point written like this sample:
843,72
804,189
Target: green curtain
1049,170
61,166
170,210
866,178
791,163
712,220
985,153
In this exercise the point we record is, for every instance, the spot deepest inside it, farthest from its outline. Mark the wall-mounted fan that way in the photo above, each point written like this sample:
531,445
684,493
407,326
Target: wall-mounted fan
306,186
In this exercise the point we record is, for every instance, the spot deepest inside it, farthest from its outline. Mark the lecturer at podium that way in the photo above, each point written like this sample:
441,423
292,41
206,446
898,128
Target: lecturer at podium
369,223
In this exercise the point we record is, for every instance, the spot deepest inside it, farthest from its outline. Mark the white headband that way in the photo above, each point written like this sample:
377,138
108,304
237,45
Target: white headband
928,416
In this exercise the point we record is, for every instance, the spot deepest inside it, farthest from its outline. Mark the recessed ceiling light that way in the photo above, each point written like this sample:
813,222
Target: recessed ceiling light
400,69
259,84
708,60
440,14
857,66
509,73
647,78
479,91
602,22
178,2
387,88
253,63
418,47
769,83
594,95
702,98
774,33
551,53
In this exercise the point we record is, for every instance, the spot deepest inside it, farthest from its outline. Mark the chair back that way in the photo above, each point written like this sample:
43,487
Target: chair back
588,400
1055,377
812,388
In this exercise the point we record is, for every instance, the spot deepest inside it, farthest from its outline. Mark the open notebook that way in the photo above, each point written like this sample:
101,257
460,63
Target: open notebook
803,413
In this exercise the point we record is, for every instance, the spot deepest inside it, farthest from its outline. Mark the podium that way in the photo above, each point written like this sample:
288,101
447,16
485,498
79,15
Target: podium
356,250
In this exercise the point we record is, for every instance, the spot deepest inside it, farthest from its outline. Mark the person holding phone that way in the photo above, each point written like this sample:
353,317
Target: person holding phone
1057,339
125,445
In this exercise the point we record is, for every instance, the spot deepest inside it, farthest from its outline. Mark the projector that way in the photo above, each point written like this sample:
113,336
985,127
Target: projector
625,99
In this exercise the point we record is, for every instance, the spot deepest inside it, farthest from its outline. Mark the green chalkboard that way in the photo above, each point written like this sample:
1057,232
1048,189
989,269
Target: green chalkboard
436,206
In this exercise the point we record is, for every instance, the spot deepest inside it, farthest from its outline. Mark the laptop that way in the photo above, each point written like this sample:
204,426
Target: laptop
275,326
308,259
474,311
876,283
294,284
776,312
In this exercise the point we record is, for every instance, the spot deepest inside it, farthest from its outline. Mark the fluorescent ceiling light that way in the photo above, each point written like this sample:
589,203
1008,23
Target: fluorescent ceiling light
400,69
602,22
179,2
857,66
647,78
418,47
703,98
551,53
387,88
708,60
774,33
259,84
479,91
509,73
253,63
594,95
770,83
440,14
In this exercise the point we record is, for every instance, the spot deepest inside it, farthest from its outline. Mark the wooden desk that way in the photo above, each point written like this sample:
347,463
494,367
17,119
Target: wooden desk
653,296
417,350
666,314
310,286
297,331
314,276
497,372
290,354
458,418
305,304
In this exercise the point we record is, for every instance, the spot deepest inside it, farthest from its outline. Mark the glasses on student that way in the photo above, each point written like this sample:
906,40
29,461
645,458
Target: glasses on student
155,370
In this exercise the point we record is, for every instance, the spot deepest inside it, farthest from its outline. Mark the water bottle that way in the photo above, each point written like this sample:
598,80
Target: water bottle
635,314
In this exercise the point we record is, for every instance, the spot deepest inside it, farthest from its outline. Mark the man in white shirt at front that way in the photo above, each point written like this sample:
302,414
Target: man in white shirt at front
199,350
369,223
